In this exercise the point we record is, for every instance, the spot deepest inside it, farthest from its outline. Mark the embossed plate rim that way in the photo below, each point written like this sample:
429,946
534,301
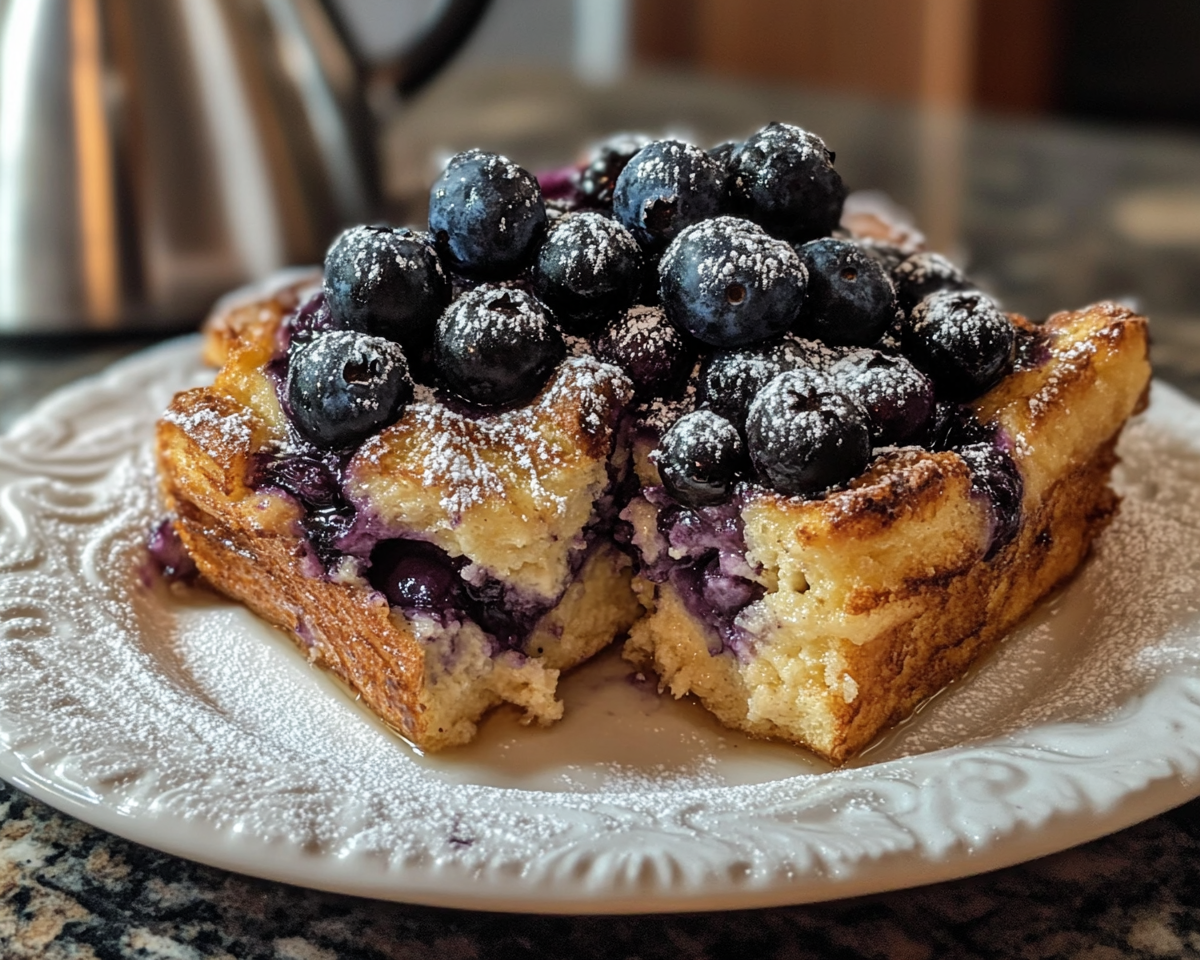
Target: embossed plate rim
653,851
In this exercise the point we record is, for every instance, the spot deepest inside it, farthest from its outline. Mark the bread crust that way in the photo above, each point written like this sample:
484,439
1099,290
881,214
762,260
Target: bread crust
249,542
879,595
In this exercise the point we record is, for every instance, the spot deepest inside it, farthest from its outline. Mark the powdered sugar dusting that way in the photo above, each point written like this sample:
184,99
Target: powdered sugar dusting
730,250
223,738
232,428
474,459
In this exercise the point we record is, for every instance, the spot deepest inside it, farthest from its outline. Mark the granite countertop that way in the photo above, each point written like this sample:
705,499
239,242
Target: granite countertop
69,891
1049,216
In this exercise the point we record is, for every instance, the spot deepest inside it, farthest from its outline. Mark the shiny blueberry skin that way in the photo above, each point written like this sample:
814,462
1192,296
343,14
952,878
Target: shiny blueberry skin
312,318
962,340
388,282
782,177
650,349
996,478
344,385
699,459
588,270
850,297
597,180
415,575
804,437
731,379
667,186
486,214
728,283
921,274
307,477
898,398
496,345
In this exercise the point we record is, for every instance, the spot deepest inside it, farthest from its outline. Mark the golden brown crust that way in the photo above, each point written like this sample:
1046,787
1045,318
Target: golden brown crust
251,545
878,596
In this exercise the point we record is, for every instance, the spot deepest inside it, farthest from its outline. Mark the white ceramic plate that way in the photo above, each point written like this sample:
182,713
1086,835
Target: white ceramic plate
176,719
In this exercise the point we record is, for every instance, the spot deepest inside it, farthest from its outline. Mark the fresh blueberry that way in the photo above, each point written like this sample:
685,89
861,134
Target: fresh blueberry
665,187
850,298
782,177
699,459
962,340
598,178
388,282
923,273
650,349
587,271
486,215
898,398
805,437
727,282
415,575
496,345
343,386
996,478
731,379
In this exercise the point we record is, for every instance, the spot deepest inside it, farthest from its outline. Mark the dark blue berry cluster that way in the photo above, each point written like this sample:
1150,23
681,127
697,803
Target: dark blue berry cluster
782,349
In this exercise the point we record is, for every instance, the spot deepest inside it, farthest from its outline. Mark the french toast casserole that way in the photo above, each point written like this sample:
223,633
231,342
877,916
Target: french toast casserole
690,399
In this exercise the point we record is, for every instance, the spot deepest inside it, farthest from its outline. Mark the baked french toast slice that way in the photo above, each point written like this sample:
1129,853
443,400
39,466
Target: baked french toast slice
429,674
876,596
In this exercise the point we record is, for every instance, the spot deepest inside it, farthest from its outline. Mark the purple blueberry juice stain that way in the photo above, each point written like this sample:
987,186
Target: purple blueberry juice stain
420,577
709,569
168,558
1032,350
996,480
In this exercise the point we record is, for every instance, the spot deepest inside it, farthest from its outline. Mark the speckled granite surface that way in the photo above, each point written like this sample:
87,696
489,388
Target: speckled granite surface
69,891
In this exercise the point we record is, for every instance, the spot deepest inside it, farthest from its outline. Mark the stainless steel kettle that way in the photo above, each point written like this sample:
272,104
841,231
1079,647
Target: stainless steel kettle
154,153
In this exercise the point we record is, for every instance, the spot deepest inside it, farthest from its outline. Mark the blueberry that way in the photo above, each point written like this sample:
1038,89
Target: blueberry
728,283
996,478
343,386
486,215
496,345
699,459
311,318
918,276
587,271
889,255
898,398
850,297
667,186
962,340
954,425
782,177
598,178
731,379
415,575
723,151
388,282
804,437
650,349
306,477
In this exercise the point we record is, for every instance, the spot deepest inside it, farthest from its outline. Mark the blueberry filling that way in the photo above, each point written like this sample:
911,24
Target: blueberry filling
168,555
996,479
420,577
703,556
